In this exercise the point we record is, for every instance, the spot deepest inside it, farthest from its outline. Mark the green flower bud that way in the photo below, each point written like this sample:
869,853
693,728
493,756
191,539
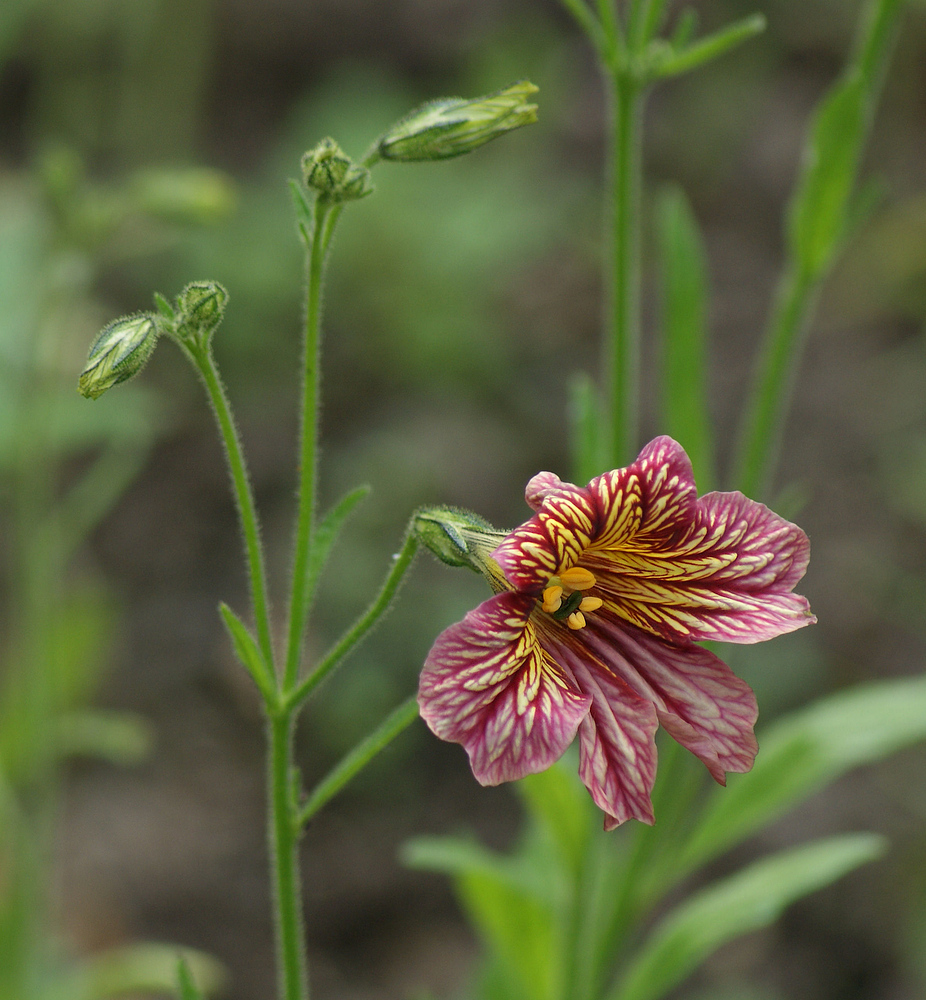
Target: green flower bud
459,538
201,306
452,126
328,170
118,353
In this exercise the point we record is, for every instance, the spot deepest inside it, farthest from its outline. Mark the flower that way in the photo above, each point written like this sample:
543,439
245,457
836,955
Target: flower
600,600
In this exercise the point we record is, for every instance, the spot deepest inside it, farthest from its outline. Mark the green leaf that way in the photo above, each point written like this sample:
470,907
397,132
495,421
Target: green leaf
559,804
140,968
588,444
118,737
744,902
819,209
353,762
667,62
327,531
806,750
817,212
248,652
510,901
685,364
188,988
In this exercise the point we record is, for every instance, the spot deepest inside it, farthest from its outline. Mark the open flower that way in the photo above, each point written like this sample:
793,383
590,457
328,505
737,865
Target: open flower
600,599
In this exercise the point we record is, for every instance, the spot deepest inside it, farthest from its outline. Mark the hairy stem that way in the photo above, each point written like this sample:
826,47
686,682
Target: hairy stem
201,356
283,834
305,516
622,344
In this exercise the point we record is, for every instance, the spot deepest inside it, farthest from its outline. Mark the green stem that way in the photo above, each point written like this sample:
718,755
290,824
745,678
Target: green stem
771,392
622,346
305,517
283,833
358,758
201,356
360,628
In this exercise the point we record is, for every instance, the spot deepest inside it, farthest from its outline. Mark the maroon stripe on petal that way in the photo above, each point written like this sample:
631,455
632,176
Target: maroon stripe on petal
699,701
490,686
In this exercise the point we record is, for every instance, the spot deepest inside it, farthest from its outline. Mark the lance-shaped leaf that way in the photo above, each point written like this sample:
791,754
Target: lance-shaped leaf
805,751
744,902
248,651
510,901
684,321
819,210
327,531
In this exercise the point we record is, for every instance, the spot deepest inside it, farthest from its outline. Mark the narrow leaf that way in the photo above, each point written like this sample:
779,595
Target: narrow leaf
509,902
326,534
817,212
188,988
118,737
560,805
744,902
587,424
805,751
248,652
358,758
685,363
140,968
672,63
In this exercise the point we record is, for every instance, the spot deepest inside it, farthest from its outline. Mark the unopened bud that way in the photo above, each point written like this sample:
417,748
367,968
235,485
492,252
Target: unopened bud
200,308
118,353
330,171
452,126
458,538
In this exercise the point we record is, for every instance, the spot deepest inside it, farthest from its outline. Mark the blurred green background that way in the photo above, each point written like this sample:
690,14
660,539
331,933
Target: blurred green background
461,297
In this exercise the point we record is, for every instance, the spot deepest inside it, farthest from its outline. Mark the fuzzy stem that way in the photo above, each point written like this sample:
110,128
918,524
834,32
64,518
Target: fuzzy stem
201,356
622,344
305,517
283,834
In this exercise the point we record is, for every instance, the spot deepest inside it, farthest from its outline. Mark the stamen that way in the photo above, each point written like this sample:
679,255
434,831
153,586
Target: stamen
590,603
552,599
576,620
577,578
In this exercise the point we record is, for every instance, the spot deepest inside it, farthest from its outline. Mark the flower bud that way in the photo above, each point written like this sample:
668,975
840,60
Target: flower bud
118,353
200,306
452,126
458,538
330,171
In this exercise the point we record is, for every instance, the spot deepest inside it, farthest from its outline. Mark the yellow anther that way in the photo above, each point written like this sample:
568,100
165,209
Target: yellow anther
576,620
552,599
577,579
590,603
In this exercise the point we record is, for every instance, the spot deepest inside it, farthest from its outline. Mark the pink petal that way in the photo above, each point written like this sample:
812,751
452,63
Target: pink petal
685,569
541,486
699,701
617,746
489,685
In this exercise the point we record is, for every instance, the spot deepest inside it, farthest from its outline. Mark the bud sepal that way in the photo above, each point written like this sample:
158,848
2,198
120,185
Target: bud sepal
442,129
327,169
459,538
119,352
200,308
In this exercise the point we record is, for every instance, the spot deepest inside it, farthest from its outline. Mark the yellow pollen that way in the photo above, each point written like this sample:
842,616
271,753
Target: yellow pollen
576,620
590,603
552,599
577,579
